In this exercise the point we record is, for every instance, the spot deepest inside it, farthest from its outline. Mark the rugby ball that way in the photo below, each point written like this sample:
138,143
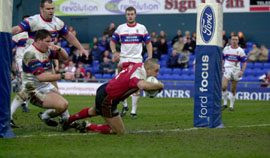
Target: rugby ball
153,93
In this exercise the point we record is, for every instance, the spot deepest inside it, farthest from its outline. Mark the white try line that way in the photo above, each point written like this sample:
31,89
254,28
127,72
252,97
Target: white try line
141,131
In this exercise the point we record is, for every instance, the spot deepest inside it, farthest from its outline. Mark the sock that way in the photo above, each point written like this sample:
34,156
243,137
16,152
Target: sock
101,128
17,101
125,103
232,100
225,97
26,103
80,115
48,114
65,115
134,99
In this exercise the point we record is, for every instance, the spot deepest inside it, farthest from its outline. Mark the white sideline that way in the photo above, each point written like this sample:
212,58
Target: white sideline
141,131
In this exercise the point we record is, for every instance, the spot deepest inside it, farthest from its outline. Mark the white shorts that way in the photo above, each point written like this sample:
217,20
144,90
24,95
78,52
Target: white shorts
126,60
232,74
38,95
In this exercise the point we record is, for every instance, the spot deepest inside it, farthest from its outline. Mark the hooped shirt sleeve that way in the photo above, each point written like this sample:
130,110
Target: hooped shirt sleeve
64,29
243,57
32,65
116,35
146,36
27,24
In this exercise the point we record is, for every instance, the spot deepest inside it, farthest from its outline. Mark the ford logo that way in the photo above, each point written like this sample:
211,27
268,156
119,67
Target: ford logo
207,24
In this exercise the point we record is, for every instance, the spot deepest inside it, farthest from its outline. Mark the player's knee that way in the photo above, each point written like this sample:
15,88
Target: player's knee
63,106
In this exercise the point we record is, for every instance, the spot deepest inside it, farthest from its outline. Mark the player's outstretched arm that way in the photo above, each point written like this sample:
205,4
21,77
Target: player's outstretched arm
16,30
74,41
148,86
149,48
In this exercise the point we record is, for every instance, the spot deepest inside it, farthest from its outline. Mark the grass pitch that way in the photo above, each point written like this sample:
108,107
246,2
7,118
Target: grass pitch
164,128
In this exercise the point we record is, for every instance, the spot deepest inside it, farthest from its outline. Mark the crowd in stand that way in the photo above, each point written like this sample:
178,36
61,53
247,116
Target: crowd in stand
177,52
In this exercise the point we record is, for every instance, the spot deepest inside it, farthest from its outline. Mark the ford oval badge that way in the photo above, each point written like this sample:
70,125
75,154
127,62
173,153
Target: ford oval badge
207,24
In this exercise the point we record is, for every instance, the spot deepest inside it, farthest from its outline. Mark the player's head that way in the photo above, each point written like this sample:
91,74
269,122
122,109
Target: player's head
152,67
46,9
130,15
234,40
43,40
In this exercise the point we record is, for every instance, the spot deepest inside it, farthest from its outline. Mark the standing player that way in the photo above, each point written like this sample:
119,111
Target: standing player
20,41
127,82
233,55
45,20
131,35
38,75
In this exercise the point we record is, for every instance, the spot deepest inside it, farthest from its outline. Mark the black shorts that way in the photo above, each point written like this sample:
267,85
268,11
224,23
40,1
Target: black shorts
105,106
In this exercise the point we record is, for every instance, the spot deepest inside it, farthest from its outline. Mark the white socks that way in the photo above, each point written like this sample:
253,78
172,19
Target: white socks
225,97
46,114
232,100
17,101
134,103
65,115
125,103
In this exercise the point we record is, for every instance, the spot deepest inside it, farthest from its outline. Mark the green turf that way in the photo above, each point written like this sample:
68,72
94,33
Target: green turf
35,139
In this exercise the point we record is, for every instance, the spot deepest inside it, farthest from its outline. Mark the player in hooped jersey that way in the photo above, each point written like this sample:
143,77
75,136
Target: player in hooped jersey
131,35
45,20
233,55
38,75
108,95
19,42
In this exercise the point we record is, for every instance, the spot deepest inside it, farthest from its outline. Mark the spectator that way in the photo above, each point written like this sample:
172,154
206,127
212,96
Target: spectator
155,48
162,34
154,35
89,76
94,42
176,37
173,60
154,42
82,69
179,45
109,30
187,35
189,46
263,56
242,40
194,37
62,68
107,67
71,67
254,53
104,43
78,75
162,47
265,80
97,53
107,54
